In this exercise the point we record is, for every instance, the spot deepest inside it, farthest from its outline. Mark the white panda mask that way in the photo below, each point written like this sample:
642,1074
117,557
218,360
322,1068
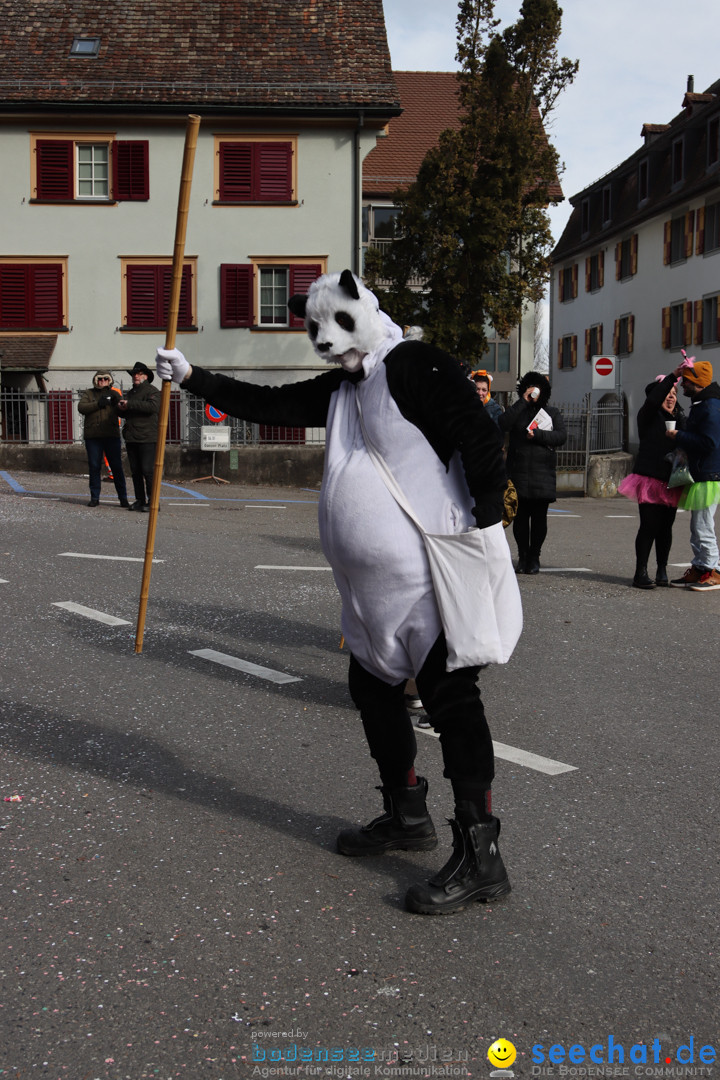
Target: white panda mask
343,319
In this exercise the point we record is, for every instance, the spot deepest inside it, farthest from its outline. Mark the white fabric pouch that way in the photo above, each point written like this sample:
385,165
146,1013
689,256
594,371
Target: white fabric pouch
474,582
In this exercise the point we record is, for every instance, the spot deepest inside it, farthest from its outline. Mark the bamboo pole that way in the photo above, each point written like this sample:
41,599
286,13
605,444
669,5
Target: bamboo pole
191,131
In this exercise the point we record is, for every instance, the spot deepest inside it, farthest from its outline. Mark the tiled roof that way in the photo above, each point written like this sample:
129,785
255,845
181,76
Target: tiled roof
240,53
430,106
26,353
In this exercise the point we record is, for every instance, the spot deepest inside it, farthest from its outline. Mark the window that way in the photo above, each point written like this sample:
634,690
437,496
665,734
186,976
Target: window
257,293
713,142
606,204
567,352
568,283
595,272
146,297
85,47
593,341
585,217
497,351
92,168
623,335
678,238
626,256
643,181
32,294
678,161
677,325
258,170
708,229
707,324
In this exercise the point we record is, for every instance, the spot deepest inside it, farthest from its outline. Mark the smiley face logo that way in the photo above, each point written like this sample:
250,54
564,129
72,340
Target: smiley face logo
502,1053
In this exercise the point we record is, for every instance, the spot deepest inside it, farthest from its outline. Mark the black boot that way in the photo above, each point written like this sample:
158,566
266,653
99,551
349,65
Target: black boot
405,825
661,577
475,870
521,567
533,563
641,579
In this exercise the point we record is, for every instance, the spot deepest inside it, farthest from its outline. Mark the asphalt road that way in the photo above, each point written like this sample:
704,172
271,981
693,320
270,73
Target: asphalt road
172,904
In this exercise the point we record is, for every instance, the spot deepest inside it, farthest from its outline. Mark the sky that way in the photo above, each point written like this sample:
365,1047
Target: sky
635,59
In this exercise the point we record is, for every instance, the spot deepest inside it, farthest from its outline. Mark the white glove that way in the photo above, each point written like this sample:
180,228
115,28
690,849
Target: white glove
170,364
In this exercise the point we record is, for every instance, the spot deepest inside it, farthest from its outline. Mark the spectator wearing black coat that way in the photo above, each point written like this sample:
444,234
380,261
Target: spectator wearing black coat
531,464
647,483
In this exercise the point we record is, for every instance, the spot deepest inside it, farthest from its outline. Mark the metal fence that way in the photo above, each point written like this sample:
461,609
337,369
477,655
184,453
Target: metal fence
591,429
33,417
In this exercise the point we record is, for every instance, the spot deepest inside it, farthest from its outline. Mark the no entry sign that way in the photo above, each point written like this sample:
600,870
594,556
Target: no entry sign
604,372
214,414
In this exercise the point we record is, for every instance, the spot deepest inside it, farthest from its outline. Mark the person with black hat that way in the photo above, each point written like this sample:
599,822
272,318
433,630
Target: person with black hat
701,442
140,409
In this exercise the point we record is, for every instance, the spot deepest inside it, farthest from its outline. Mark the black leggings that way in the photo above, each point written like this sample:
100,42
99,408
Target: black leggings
530,525
656,522
452,702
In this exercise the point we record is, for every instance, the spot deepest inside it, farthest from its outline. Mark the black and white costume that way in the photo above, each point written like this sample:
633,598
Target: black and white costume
445,452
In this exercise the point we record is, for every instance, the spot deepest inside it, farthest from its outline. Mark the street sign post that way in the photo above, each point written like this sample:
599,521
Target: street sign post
604,372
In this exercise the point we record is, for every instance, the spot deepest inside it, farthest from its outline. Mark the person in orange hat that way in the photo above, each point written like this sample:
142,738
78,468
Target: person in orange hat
483,382
701,442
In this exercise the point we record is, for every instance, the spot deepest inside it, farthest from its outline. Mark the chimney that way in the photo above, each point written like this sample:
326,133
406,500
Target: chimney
691,84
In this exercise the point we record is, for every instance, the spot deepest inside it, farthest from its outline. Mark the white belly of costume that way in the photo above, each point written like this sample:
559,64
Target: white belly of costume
389,615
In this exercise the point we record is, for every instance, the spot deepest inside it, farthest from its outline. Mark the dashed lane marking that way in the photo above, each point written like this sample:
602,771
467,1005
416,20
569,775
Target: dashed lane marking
111,558
521,757
244,665
268,567
91,613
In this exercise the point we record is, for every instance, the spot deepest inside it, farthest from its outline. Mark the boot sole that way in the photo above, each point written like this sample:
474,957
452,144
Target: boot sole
493,892
425,843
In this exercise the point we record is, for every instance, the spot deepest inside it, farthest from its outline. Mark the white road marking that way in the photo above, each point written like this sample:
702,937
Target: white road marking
267,567
244,665
631,516
189,502
4,581
562,515
521,757
91,613
253,506
112,558
565,570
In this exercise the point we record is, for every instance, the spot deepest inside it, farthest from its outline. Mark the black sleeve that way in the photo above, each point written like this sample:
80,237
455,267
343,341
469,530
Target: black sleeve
653,402
432,392
301,404
520,413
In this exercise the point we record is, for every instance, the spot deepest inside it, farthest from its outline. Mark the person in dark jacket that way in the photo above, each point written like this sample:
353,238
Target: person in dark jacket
141,408
701,442
98,407
483,381
647,483
535,430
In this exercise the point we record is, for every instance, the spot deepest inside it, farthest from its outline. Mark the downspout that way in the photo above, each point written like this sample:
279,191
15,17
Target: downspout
357,208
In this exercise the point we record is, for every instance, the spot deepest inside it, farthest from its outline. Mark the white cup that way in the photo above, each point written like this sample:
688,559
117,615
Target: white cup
669,425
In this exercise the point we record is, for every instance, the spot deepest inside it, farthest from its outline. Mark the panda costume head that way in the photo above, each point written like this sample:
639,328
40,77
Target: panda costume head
343,320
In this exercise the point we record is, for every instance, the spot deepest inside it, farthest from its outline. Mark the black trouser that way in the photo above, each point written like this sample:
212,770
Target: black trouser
530,525
452,702
141,456
656,522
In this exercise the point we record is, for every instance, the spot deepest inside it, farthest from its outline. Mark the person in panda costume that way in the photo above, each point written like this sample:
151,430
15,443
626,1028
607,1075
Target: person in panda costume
424,416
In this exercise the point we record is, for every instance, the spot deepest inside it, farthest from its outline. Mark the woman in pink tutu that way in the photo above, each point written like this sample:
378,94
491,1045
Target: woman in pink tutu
647,483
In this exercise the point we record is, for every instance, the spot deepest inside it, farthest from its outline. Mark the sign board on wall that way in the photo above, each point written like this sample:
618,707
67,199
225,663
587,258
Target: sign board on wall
214,438
604,372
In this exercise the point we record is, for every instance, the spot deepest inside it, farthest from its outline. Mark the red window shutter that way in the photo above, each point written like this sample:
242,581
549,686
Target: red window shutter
634,253
689,225
301,278
60,416
700,232
601,269
142,297
618,261
667,243
236,295
236,171
630,333
185,314
587,346
54,168
666,328
131,175
273,172
31,297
